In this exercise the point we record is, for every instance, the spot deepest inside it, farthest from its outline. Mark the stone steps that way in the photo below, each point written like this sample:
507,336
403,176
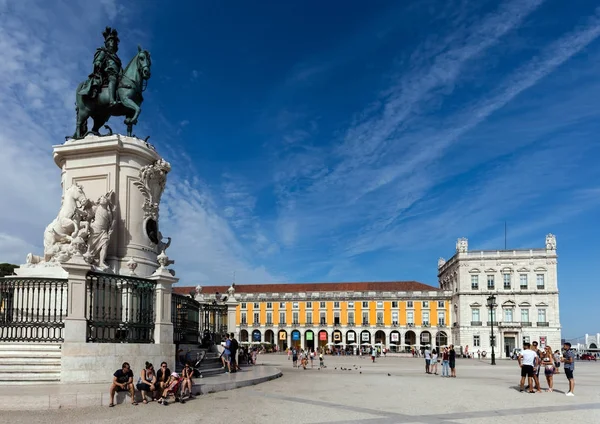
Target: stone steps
27,363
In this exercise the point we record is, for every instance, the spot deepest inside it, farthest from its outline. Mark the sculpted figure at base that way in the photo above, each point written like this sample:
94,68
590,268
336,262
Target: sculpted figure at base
102,224
61,231
82,227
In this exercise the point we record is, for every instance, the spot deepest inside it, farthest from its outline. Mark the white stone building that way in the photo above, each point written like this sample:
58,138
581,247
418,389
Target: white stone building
525,284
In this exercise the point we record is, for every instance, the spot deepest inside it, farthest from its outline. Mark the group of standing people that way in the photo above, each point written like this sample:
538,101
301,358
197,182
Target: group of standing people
532,360
447,357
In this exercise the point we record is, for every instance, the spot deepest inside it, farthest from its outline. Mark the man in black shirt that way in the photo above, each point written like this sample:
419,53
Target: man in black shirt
233,348
122,381
162,375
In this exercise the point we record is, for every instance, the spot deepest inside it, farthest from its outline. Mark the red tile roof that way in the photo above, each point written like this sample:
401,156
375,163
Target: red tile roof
314,287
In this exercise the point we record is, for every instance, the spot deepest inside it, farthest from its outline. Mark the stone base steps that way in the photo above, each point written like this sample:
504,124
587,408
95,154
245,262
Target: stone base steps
28,363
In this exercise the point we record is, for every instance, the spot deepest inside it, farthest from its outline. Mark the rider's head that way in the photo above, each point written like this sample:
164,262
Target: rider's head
112,45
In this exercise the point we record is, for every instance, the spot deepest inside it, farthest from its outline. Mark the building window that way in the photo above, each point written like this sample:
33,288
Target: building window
243,305
270,318
295,305
394,318
425,304
380,318
269,305
281,317
322,305
309,305
336,318
540,281
336,304
410,317
492,315
281,305
409,303
508,315
542,315
244,321
365,304
365,318
323,318
425,316
380,304
526,339
350,317
394,303
474,282
506,281
490,282
476,341
256,305
351,305
523,281
256,318
309,318
295,318
524,315
441,318
441,304
475,315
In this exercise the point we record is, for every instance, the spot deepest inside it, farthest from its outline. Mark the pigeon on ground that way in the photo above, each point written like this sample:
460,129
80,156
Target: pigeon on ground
361,372
389,375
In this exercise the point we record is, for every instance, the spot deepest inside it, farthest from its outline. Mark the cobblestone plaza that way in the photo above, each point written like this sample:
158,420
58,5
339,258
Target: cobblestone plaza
480,394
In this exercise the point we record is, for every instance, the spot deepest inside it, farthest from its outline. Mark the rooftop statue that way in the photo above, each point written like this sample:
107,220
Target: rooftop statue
111,90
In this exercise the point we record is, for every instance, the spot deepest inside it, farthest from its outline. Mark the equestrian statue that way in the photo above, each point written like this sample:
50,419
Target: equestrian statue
111,90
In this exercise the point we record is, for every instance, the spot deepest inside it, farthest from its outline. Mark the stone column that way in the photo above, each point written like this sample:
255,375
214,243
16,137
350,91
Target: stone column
232,304
163,327
75,322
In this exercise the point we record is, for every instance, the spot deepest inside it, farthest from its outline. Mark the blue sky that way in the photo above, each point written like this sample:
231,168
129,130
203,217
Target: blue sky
329,141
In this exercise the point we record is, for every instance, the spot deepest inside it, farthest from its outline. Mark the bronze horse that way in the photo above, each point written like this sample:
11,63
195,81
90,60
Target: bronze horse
132,83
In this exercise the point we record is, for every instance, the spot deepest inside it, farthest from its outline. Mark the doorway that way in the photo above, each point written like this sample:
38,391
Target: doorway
509,345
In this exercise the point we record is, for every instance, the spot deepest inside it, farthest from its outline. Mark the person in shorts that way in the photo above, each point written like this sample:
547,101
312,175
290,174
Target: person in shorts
122,382
569,360
527,361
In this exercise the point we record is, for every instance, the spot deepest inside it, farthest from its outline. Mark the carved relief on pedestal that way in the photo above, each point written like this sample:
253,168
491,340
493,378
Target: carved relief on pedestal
151,182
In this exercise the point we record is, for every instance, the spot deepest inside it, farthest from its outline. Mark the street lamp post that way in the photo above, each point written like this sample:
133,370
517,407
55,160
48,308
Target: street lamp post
491,303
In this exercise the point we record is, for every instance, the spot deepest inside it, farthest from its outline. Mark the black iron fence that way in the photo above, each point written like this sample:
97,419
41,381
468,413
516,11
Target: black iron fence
120,309
32,309
185,316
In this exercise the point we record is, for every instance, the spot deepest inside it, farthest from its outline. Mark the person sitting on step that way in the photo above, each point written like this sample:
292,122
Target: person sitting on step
122,381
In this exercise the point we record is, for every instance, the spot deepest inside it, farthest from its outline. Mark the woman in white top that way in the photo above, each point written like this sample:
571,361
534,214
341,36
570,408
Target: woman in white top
434,361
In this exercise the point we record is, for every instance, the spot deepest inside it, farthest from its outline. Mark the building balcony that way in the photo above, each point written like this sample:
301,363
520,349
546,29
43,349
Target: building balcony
509,324
411,325
365,324
426,325
543,324
476,323
269,324
395,324
525,324
380,325
337,325
323,324
243,324
256,324
282,324
441,325
308,324
295,324
351,324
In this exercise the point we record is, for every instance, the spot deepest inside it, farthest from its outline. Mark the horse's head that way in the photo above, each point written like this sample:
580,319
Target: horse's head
75,192
144,62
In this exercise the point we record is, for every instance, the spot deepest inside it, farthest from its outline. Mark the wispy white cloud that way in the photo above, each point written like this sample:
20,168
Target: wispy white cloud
368,192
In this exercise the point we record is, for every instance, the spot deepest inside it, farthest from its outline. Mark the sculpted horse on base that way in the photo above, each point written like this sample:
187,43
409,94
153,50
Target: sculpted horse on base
66,225
132,83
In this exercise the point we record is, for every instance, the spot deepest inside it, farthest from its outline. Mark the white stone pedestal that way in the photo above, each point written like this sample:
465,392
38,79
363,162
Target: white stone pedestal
102,164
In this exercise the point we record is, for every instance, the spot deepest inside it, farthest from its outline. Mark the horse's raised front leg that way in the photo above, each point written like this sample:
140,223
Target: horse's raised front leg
130,104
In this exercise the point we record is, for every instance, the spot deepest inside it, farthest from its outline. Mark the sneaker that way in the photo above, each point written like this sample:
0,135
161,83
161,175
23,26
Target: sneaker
570,394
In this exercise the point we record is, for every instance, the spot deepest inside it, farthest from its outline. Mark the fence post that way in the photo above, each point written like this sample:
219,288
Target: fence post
232,304
75,321
163,327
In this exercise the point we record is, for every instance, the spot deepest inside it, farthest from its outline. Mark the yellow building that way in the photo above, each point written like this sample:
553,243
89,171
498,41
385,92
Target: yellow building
397,315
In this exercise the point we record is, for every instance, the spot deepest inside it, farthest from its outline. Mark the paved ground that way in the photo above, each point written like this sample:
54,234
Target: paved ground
480,394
